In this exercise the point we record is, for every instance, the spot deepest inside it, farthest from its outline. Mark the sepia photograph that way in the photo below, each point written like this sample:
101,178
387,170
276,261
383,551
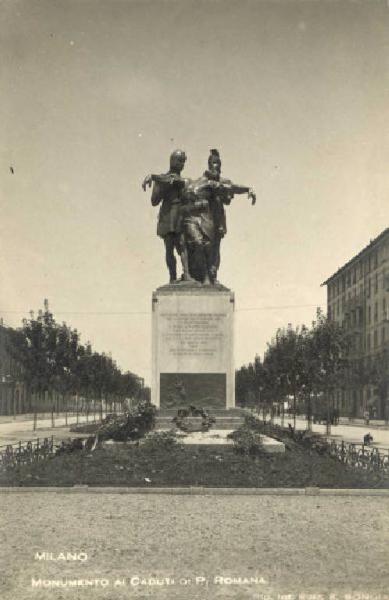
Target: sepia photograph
194,300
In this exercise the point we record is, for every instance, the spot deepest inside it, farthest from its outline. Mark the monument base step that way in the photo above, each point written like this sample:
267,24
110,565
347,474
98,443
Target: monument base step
219,437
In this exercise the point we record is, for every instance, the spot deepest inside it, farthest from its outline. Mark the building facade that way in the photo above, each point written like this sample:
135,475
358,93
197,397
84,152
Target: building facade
13,397
358,299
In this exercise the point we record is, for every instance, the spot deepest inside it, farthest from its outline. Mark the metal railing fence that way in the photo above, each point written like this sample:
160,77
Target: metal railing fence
21,453
359,456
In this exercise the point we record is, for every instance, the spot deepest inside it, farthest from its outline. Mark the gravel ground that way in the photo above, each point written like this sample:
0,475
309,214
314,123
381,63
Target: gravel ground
296,544
12,432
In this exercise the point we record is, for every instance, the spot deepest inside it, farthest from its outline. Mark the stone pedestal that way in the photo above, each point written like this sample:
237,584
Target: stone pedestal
192,347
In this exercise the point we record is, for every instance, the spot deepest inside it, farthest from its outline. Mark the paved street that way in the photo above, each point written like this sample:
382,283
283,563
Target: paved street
349,433
21,429
208,546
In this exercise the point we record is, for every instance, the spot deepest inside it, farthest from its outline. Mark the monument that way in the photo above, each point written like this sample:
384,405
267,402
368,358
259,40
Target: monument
193,317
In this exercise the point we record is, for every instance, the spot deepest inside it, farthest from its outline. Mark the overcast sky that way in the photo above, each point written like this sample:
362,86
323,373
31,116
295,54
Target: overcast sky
96,94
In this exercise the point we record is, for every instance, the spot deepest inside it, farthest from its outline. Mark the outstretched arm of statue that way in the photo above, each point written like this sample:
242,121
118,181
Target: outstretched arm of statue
231,189
252,196
148,180
156,195
165,178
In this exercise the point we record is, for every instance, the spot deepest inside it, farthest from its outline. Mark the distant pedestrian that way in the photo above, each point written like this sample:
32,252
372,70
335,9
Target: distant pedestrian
366,415
367,439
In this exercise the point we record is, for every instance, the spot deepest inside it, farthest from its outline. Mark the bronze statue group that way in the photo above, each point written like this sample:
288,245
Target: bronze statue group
192,219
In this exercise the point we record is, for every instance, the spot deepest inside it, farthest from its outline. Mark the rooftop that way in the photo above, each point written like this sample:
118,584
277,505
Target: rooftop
370,246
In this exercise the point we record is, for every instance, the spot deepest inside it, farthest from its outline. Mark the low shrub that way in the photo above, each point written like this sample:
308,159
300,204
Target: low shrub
252,422
160,441
72,445
247,441
85,427
131,425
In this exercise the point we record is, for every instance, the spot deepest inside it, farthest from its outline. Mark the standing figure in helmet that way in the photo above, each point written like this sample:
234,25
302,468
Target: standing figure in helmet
204,220
223,191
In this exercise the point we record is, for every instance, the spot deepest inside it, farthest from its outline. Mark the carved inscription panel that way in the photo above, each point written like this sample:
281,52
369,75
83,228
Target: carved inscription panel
193,334
193,344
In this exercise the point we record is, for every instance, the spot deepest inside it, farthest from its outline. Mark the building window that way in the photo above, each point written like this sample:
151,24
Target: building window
376,283
384,316
368,342
375,338
376,312
343,283
369,314
368,288
329,312
355,275
375,260
383,335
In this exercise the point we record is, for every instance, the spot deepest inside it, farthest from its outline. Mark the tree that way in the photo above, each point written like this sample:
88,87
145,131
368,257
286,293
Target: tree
245,385
328,360
378,375
249,383
285,363
52,359
299,363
